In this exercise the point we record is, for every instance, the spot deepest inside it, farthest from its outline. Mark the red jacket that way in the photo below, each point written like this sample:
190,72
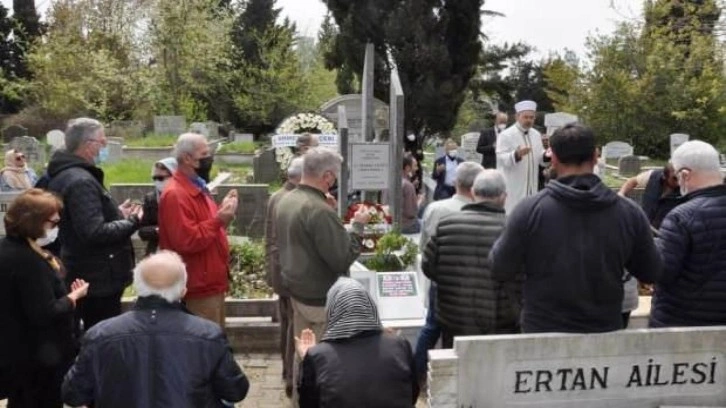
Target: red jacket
189,227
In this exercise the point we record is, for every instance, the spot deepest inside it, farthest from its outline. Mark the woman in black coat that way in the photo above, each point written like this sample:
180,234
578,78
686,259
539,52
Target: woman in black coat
357,363
149,229
36,312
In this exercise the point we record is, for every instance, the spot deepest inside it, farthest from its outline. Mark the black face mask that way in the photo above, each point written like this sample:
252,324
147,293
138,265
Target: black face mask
205,168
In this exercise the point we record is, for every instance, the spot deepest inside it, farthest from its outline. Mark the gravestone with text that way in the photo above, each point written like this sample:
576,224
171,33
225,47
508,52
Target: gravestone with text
554,121
622,369
34,151
617,149
169,125
5,199
398,295
370,166
56,139
354,115
11,132
629,166
678,139
469,142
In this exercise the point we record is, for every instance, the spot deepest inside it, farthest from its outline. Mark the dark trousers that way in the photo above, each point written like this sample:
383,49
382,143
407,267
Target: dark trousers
443,192
39,387
287,339
447,339
427,338
626,319
94,309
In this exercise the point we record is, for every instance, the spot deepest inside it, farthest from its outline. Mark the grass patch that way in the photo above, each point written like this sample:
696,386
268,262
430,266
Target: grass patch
239,172
128,171
152,140
238,147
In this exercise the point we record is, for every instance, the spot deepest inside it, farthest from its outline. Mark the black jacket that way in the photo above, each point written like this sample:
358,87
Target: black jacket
157,355
369,370
37,316
149,227
692,240
487,146
469,300
573,239
95,239
439,192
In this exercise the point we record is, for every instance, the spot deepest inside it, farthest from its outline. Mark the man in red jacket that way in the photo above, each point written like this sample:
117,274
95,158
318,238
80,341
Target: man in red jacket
192,225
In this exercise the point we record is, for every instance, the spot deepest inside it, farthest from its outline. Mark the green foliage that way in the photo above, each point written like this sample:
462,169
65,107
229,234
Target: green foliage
247,269
394,252
127,171
238,147
11,67
152,140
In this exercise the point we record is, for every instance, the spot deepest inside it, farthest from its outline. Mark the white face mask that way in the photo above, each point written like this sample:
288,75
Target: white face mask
452,153
50,236
160,185
411,137
502,126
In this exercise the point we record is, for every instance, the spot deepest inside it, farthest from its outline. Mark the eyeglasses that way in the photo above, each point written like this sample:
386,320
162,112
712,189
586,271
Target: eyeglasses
54,223
159,178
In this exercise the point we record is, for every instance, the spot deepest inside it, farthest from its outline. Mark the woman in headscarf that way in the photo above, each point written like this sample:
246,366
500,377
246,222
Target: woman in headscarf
16,175
357,363
149,230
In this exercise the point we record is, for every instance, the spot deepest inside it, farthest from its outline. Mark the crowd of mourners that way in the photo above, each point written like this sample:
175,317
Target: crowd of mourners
529,241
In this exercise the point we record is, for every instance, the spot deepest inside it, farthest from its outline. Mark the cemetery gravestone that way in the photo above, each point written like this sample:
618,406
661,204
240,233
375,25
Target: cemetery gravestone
199,127
616,150
354,115
56,139
212,130
31,147
252,207
5,199
11,132
631,368
554,121
629,166
169,125
678,139
469,142
398,295
265,167
243,137
369,166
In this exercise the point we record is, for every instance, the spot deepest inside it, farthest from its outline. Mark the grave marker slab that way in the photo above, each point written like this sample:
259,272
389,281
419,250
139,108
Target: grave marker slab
243,137
354,115
617,149
31,147
554,121
398,295
56,138
199,127
170,125
369,166
11,132
469,142
5,199
629,166
265,167
115,151
678,139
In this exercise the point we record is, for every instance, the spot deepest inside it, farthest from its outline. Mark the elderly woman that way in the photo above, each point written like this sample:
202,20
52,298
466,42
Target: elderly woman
149,230
357,363
37,345
16,175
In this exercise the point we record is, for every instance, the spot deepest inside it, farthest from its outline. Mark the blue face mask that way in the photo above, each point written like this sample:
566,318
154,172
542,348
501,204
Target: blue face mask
102,155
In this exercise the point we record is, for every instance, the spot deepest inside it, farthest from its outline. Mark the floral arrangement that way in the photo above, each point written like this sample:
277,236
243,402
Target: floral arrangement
379,224
306,123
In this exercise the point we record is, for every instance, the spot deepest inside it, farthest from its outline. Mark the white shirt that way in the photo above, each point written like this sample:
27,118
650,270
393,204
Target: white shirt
521,177
451,165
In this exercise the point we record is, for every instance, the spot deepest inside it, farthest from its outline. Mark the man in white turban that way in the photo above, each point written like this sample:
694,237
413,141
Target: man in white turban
519,155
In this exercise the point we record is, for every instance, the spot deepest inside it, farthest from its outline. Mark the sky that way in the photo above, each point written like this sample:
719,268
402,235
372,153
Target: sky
548,25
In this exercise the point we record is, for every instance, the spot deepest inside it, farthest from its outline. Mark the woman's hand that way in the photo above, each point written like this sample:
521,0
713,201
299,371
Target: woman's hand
305,342
79,289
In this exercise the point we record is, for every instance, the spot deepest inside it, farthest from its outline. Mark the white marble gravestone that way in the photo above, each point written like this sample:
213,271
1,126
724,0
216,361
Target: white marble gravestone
677,139
56,138
617,149
554,121
170,125
623,369
469,142
243,137
369,166
354,114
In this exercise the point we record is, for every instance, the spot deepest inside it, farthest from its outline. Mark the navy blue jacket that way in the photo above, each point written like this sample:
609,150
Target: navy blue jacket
439,193
157,355
692,240
572,240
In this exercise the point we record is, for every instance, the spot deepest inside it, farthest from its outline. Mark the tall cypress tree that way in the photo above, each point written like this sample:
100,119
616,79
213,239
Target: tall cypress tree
27,29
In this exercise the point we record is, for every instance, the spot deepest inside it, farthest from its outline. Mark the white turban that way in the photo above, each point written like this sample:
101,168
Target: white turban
525,106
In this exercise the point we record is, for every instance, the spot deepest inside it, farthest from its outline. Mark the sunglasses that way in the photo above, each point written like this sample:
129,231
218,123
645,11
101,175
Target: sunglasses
159,178
20,157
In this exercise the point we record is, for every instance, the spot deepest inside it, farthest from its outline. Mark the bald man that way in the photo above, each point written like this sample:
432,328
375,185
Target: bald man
157,354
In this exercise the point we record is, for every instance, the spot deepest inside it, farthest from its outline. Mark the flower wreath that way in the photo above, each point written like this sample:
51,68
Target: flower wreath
298,124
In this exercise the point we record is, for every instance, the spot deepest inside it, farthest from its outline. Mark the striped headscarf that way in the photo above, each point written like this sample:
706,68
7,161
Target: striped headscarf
350,309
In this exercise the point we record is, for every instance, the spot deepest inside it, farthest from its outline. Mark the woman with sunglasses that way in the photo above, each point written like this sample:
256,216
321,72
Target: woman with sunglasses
160,175
16,175
38,343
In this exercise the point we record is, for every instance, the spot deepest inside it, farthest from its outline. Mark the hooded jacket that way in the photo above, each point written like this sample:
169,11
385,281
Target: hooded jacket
573,240
95,237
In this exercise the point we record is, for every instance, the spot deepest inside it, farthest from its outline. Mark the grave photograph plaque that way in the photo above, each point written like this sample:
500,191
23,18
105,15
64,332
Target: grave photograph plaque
398,296
369,166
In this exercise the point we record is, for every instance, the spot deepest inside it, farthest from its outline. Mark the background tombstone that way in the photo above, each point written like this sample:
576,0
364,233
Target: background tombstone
199,127
617,149
354,114
212,129
250,221
265,168
11,132
678,139
468,147
5,199
56,139
34,151
115,151
554,121
243,137
170,125
629,166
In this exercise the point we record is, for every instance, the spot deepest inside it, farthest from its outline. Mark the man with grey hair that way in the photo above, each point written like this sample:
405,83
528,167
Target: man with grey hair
274,275
192,225
469,301
314,246
466,173
95,232
158,354
692,242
